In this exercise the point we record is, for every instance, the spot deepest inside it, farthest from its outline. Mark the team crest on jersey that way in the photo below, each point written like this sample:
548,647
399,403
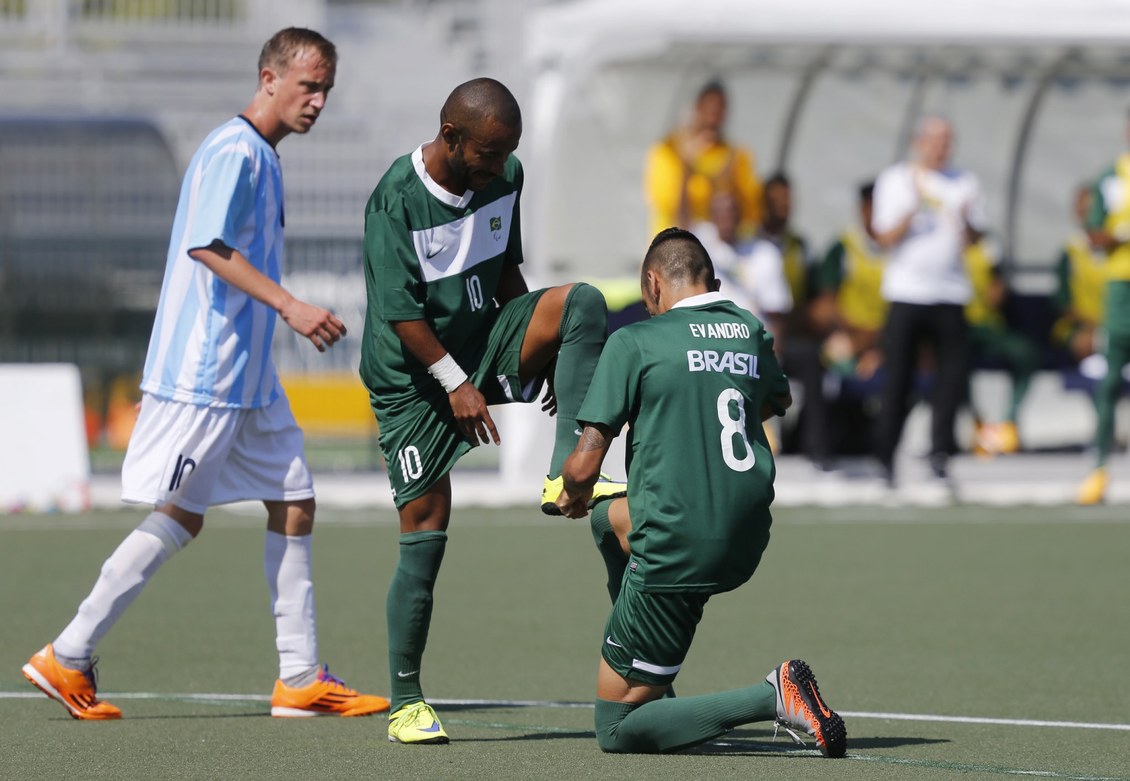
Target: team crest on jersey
496,227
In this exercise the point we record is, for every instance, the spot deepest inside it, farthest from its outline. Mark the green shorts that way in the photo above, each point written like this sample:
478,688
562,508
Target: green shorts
419,438
648,634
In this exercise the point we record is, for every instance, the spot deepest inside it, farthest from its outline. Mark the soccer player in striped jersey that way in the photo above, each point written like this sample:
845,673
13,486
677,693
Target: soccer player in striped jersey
215,426
451,327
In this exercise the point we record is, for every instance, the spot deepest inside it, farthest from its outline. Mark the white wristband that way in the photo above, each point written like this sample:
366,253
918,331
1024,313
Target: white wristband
448,373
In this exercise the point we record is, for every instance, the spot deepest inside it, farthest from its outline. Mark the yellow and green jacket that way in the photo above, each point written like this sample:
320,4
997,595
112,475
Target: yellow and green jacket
1110,210
982,265
1081,276
853,270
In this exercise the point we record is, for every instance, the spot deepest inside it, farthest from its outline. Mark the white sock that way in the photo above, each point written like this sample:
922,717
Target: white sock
123,577
286,563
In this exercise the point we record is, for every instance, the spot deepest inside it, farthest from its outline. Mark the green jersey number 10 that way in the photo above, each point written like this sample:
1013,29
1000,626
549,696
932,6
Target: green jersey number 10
475,293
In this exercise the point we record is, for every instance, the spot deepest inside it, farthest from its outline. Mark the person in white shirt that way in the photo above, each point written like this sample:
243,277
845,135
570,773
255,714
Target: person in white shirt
751,270
925,213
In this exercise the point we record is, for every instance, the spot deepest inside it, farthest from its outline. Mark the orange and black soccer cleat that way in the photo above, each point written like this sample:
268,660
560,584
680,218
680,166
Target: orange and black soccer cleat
799,705
75,689
327,696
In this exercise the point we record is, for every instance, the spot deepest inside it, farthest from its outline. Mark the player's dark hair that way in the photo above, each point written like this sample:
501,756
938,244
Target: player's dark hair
779,178
867,191
285,45
475,101
679,257
712,87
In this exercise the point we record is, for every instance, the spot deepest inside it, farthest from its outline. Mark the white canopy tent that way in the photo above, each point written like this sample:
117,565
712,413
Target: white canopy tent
827,90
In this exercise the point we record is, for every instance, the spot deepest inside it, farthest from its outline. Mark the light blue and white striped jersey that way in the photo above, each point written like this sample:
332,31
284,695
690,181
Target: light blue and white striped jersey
211,342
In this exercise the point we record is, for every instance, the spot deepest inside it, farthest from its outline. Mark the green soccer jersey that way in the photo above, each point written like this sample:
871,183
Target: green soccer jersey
690,383
435,256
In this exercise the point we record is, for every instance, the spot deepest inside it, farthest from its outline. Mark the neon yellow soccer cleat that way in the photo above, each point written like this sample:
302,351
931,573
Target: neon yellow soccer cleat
416,724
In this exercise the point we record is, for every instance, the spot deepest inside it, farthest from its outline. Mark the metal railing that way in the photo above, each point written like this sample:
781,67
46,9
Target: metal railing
62,24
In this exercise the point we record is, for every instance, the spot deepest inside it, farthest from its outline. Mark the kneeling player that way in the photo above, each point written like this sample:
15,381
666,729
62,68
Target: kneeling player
697,512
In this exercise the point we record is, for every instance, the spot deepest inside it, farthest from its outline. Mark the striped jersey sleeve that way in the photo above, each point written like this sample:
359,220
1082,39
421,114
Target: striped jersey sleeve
211,342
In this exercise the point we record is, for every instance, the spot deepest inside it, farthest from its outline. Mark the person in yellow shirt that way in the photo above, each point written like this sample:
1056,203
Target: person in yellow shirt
799,340
847,308
991,338
848,300
1081,275
1108,223
695,162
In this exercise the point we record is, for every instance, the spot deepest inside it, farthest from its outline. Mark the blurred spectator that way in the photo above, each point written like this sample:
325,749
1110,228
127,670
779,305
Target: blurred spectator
848,307
1080,286
688,167
800,337
751,270
926,212
848,302
1108,223
991,339
776,228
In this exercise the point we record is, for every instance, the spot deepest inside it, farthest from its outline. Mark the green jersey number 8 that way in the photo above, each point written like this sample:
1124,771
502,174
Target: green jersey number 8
732,429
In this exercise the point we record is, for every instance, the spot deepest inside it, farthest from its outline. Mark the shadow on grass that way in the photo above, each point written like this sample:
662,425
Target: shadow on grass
502,707
762,742
188,716
891,742
554,735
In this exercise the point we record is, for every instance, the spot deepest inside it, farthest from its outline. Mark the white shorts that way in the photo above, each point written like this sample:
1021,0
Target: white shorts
196,457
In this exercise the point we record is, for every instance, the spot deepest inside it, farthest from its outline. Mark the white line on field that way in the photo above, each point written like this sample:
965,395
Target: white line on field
228,697
983,720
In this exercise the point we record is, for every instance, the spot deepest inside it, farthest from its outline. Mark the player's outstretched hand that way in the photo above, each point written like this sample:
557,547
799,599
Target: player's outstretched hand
320,326
472,415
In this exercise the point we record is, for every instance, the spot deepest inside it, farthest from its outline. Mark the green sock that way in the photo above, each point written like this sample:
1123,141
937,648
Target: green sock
584,327
614,559
666,725
1107,393
1021,383
409,611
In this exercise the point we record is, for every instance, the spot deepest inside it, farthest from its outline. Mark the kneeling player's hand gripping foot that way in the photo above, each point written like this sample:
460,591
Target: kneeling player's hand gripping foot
75,689
554,501
800,706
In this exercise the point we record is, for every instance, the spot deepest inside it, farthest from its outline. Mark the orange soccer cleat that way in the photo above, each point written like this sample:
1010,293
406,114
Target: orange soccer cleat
327,696
75,689
799,705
